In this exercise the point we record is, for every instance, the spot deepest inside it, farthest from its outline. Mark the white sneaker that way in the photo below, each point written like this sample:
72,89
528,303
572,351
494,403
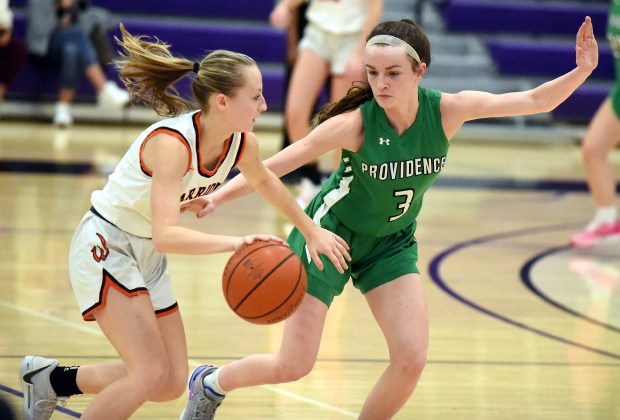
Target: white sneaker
39,397
112,97
307,191
62,114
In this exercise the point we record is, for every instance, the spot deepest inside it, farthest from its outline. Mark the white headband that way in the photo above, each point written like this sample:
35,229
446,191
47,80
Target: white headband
395,42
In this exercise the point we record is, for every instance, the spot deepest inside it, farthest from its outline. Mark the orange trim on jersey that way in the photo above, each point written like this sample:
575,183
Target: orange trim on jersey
109,281
207,172
171,132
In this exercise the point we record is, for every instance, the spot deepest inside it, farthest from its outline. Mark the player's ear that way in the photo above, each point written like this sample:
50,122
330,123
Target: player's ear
221,101
421,70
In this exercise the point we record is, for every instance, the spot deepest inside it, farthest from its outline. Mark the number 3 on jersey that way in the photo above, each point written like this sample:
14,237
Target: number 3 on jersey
402,206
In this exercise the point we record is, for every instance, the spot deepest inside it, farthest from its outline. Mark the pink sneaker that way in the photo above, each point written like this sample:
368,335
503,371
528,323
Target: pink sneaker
587,238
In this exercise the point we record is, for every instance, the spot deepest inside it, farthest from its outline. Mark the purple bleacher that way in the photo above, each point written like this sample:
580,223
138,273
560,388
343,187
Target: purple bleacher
227,9
192,40
237,9
581,105
188,39
537,58
524,16
34,83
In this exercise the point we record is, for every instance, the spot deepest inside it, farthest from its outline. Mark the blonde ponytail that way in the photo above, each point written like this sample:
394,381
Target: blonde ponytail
149,71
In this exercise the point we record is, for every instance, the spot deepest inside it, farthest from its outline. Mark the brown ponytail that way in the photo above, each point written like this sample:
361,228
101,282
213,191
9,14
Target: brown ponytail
357,95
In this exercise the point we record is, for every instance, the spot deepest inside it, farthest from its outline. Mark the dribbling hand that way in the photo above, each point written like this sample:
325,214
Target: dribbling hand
248,239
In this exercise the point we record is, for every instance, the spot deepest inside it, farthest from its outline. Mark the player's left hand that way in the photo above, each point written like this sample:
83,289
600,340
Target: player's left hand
586,47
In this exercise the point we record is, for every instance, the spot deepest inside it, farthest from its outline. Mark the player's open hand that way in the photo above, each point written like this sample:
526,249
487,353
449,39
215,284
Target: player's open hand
586,47
323,241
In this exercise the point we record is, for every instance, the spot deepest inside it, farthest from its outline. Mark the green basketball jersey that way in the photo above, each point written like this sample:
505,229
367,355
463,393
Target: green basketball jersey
378,190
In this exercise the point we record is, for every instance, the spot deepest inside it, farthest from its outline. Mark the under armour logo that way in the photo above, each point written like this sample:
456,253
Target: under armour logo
384,141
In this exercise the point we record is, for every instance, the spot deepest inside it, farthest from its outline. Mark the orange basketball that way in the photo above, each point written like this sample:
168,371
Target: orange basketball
264,282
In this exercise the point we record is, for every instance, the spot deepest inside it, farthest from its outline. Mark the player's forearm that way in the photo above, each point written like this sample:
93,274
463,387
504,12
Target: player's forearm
549,95
181,240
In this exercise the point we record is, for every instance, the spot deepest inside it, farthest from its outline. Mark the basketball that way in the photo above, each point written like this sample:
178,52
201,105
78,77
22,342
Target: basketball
264,282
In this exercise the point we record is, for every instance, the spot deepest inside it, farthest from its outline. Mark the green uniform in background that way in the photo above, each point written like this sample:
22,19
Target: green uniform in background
373,199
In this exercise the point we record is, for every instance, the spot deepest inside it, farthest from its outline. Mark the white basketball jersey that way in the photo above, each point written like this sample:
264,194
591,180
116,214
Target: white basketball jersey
338,16
126,198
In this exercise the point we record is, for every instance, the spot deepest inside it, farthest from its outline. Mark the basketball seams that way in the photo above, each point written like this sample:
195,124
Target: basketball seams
285,301
264,283
240,259
265,277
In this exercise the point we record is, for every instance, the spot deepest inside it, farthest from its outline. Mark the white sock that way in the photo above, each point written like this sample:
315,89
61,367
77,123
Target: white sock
212,380
603,215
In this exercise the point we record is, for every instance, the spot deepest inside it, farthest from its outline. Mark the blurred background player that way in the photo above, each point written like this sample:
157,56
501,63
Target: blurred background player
331,48
12,50
601,138
55,38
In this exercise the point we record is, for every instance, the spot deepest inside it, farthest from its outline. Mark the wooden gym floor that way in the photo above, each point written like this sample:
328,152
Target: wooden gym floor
522,327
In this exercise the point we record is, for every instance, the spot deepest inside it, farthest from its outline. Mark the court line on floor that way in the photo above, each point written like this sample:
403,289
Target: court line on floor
434,269
527,279
58,408
52,318
310,401
97,332
454,362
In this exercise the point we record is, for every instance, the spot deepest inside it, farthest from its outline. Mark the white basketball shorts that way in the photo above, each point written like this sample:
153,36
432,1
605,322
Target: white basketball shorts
103,256
337,49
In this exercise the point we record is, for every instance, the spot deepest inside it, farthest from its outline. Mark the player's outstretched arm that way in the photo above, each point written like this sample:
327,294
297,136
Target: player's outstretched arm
471,105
